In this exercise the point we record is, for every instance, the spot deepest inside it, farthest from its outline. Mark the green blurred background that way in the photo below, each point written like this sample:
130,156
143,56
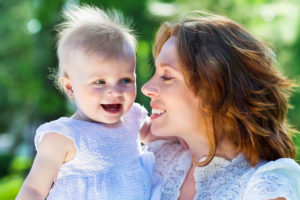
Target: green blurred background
27,53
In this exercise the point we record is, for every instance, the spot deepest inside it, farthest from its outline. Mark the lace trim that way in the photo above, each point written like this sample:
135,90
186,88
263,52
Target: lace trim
223,179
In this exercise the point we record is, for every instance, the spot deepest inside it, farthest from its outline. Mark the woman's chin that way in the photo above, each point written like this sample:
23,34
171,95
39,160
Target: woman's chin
160,132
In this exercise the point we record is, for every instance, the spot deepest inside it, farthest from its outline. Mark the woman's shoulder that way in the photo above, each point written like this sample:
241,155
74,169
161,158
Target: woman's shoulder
272,179
283,169
279,165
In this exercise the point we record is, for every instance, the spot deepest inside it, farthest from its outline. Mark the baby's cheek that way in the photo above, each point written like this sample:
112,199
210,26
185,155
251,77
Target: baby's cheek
131,92
129,96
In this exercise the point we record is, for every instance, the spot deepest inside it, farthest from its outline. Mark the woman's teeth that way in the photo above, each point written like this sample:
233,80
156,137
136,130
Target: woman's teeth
157,111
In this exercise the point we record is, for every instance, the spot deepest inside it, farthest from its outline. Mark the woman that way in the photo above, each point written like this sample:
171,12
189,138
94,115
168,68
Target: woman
216,90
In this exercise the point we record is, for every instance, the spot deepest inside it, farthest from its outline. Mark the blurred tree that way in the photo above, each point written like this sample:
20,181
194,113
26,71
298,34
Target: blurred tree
27,96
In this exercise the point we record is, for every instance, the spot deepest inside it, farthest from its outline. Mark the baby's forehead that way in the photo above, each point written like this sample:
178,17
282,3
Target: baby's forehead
102,50
105,56
77,54
93,38
79,60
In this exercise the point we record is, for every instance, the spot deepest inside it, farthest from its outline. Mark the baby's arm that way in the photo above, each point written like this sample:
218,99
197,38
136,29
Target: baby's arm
53,151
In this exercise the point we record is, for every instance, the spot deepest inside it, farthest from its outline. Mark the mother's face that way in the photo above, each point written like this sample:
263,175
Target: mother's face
175,108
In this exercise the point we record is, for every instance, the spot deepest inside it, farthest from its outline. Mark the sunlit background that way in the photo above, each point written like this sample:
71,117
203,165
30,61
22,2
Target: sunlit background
28,97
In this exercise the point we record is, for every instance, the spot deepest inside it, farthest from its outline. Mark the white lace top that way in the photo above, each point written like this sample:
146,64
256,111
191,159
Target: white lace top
109,163
223,179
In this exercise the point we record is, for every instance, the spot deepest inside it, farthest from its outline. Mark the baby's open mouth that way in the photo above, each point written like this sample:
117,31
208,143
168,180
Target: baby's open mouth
112,108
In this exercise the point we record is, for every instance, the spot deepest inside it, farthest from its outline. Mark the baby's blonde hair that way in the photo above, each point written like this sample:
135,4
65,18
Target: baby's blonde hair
93,31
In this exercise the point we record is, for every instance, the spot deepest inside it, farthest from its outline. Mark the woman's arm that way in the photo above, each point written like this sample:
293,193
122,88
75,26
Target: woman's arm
53,151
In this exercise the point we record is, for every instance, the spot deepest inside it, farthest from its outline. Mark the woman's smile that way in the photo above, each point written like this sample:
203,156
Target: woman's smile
173,102
156,112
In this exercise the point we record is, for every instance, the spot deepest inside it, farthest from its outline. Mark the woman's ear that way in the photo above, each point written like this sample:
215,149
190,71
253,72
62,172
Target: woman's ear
67,86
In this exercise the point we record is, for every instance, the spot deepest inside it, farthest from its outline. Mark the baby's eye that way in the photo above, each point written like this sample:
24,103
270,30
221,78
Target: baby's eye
126,80
100,82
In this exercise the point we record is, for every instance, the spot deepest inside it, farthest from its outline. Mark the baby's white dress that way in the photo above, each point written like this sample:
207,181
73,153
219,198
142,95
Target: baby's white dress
109,163
225,180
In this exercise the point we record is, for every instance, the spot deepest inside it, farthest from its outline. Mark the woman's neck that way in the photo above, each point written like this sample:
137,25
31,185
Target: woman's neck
199,148
226,149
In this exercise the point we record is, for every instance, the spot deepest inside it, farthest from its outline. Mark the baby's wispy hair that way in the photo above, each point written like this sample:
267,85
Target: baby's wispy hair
94,32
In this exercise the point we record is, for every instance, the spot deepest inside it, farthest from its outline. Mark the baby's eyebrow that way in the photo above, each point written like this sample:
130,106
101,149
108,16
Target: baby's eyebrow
96,77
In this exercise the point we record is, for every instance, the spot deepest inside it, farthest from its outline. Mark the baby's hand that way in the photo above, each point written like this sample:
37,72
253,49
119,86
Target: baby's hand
145,132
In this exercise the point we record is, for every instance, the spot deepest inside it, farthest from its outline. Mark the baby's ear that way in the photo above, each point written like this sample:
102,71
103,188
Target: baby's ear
67,86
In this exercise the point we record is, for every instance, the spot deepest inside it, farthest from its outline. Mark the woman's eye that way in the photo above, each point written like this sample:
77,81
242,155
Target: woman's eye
100,82
166,78
125,81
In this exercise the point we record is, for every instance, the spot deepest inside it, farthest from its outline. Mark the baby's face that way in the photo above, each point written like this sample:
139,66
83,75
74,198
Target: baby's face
103,90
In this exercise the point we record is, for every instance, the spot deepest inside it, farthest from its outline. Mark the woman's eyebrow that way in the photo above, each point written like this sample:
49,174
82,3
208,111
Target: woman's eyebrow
166,65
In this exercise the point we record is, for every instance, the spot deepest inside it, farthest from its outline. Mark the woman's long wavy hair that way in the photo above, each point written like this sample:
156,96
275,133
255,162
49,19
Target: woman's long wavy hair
242,95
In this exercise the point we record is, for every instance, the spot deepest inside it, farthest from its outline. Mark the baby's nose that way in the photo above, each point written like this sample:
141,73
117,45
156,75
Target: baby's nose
115,91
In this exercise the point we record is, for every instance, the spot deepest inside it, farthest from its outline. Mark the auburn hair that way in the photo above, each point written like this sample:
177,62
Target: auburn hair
243,95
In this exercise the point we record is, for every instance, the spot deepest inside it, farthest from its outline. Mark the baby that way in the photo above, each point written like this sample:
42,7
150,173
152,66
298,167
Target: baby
96,153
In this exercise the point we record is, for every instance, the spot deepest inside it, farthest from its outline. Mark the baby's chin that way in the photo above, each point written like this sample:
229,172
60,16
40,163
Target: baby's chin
111,120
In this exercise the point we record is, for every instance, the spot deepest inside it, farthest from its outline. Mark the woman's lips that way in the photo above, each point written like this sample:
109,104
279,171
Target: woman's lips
156,113
112,108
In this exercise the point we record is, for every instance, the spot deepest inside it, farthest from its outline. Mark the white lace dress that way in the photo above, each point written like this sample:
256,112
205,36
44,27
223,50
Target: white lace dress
223,179
109,163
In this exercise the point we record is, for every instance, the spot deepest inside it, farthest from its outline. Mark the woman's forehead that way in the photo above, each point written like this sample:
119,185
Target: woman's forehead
168,55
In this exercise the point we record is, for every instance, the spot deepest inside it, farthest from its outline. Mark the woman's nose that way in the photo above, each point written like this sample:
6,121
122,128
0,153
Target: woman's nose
150,89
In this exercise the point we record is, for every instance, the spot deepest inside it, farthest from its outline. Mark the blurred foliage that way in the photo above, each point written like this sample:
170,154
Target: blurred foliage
27,51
